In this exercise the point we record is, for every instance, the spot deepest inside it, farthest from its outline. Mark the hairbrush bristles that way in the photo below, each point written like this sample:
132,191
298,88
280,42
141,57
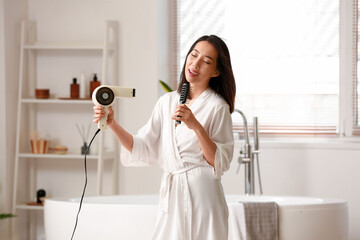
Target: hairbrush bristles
183,96
184,91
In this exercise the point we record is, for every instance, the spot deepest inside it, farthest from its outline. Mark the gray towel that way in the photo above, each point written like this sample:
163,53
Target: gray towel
261,220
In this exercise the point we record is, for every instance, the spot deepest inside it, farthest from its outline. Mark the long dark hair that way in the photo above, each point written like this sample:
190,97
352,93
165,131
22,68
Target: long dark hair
224,84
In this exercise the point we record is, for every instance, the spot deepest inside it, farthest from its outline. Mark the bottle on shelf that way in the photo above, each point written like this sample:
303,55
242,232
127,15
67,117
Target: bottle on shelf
94,84
74,89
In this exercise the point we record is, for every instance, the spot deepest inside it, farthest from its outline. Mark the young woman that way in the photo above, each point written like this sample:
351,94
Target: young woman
193,154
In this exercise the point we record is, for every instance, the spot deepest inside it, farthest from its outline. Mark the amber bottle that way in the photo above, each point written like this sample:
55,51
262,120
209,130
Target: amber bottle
94,84
74,89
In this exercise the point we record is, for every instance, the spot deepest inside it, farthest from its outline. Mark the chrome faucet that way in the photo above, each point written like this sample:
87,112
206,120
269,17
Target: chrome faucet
248,155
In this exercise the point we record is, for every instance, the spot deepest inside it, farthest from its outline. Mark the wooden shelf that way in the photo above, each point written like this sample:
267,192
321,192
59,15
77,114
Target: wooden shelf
53,155
29,207
107,155
57,101
66,46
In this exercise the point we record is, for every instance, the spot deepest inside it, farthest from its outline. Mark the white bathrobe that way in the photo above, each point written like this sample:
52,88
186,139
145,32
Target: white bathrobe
192,202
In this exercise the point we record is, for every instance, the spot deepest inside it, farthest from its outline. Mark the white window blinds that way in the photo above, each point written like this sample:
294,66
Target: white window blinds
285,56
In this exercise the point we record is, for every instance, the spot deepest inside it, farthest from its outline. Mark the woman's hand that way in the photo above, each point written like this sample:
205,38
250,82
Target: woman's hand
184,114
100,113
208,147
125,138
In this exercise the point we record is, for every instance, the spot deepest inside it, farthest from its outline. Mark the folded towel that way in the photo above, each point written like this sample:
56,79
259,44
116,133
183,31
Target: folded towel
261,220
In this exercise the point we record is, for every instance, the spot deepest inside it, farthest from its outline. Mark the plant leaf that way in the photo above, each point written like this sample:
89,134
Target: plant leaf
165,86
6,215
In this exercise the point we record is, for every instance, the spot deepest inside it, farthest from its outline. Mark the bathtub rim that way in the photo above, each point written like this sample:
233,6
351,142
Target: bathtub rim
152,199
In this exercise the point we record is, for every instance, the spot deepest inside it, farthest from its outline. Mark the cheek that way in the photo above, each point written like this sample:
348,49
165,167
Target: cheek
211,70
188,61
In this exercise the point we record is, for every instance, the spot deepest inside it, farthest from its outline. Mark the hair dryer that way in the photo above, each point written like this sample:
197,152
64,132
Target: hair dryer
105,96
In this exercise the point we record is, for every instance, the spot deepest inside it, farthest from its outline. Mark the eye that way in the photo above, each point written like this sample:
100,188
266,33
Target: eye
193,54
206,62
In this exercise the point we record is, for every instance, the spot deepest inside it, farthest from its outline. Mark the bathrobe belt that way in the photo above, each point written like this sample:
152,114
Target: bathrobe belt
166,185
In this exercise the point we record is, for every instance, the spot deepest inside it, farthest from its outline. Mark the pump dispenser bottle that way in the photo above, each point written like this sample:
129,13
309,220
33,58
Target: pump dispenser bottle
74,89
94,84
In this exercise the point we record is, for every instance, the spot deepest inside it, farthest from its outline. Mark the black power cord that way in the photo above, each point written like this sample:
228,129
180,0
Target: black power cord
83,193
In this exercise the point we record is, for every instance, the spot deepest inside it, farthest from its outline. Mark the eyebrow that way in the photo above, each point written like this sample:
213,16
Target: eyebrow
205,56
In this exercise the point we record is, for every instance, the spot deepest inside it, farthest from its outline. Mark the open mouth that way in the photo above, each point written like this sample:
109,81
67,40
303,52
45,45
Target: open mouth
192,72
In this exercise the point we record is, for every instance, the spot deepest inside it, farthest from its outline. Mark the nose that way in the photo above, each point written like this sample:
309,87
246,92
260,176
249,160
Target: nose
195,63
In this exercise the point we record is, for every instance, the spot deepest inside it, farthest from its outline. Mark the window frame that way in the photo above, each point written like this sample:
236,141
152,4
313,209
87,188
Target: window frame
355,42
347,78
348,68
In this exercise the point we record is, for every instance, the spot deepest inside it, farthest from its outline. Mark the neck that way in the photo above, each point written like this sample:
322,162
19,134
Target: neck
195,91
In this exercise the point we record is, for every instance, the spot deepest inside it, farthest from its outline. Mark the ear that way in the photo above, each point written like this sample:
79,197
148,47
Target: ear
216,73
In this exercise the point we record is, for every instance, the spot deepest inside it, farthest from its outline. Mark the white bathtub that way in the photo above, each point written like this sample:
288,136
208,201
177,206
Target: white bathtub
134,217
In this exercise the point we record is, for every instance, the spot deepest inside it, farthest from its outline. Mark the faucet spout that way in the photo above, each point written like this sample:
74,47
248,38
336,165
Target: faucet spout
247,155
246,129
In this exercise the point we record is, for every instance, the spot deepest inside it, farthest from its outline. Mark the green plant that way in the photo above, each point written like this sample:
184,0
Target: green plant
6,215
165,86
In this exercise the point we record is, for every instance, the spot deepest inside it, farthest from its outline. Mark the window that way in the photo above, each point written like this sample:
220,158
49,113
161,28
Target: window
285,56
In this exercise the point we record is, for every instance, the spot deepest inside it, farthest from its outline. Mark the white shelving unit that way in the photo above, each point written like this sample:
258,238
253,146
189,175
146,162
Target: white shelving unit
28,105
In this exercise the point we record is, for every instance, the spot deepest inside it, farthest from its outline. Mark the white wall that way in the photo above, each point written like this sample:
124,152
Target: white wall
314,167
320,169
11,13
137,61
4,199
83,20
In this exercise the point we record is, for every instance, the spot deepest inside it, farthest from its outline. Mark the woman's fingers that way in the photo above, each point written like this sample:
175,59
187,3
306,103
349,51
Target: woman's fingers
182,108
182,112
179,111
98,113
